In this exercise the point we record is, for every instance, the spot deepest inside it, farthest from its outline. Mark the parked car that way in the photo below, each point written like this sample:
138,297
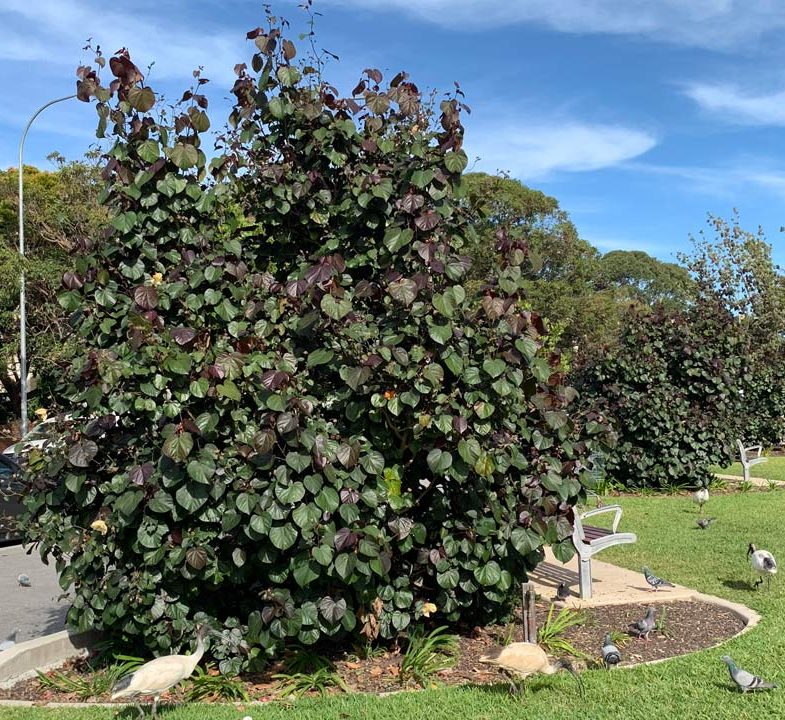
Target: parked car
10,501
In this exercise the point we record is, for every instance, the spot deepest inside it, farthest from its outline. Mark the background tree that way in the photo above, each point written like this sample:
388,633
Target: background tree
582,293
734,273
646,279
61,209
683,386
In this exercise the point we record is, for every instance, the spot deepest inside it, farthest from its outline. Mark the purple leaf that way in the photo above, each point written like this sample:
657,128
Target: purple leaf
183,335
146,297
344,538
140,474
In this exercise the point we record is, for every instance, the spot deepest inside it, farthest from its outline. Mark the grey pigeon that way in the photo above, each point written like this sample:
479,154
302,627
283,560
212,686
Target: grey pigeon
23,580
643,627
10,641
562,592
746,681
655,582
704,523
610,653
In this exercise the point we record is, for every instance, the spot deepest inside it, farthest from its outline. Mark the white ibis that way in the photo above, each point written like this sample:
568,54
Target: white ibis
154,678
10,641
763,563
522,659
700,497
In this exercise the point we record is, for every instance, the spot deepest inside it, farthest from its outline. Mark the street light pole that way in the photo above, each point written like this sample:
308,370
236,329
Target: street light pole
22,306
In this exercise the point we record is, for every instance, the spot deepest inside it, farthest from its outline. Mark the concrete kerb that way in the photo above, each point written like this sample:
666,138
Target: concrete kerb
747,615
42,654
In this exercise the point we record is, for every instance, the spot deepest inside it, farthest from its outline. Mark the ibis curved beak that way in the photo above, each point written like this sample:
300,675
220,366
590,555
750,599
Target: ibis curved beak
567,665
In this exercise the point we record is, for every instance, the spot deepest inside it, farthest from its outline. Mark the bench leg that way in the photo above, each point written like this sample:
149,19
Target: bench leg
746,472
584,577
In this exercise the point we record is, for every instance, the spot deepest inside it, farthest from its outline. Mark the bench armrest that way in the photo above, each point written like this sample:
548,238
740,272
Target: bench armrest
606,508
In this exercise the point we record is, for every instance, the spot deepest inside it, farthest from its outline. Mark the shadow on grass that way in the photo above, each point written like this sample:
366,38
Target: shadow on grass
502,689
131,711
736,584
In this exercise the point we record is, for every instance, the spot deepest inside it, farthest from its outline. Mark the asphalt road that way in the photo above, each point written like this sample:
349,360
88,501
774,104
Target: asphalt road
34,610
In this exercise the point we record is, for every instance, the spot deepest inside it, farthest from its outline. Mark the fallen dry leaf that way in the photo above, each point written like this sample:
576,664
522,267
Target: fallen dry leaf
375,671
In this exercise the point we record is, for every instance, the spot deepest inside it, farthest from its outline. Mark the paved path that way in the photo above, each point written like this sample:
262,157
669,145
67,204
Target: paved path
35,610
611,585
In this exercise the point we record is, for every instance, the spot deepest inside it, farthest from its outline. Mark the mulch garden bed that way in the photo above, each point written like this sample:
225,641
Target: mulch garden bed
687,626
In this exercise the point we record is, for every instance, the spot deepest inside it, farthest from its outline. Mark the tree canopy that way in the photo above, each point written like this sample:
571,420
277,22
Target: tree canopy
583,293
61,208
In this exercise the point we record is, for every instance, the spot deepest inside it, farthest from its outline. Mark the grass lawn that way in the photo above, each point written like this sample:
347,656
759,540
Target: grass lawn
695,687
774,469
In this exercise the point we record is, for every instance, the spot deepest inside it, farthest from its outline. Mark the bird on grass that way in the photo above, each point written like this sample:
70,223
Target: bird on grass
700,497
610,653
704,523
23,580
763,563
643,627
10,641
154,678
521,659
655,582
562,592
744,680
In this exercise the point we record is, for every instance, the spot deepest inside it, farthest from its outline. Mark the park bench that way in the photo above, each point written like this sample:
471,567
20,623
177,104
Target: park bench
750,456
589,540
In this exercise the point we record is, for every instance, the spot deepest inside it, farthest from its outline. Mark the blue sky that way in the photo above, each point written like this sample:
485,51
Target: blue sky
640,116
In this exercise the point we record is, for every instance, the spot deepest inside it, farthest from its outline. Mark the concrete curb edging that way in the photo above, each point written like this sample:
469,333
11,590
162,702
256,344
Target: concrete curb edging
45,653
748,615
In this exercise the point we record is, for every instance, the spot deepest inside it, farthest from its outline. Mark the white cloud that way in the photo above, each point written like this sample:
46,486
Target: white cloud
54,31
534,151
701,23
729,182
736,105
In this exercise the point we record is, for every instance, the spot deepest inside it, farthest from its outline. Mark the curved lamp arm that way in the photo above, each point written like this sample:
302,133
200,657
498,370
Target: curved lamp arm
22,299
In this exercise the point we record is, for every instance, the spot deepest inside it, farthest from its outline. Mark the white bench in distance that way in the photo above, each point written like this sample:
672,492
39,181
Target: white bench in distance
589,540
750,456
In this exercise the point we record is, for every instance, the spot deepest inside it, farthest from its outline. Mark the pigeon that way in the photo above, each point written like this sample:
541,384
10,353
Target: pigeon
746,681
700,497
704,523
23,580
643,627
10,641
763,563
655,582
610,653
562,592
